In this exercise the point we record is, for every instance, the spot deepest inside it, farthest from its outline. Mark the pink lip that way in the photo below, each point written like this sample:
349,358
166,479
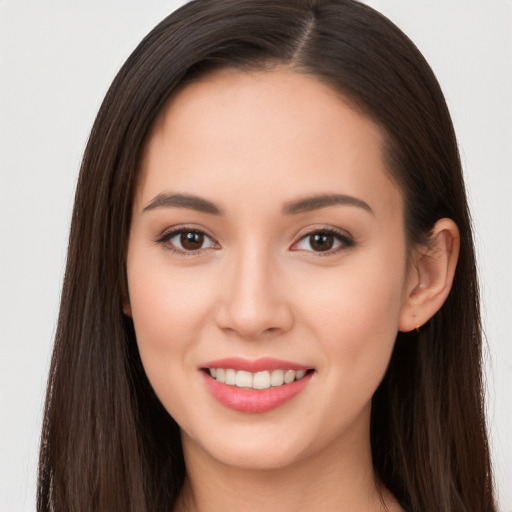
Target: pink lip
257,365
254,400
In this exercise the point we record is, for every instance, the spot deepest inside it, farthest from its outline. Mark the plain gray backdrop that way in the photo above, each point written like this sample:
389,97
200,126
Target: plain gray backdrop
57,58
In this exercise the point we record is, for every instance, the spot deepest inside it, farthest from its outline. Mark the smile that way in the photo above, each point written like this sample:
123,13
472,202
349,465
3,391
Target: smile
256,386
258,380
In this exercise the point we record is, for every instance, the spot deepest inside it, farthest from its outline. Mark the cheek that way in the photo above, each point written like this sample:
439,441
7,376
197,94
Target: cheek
355,313
169,308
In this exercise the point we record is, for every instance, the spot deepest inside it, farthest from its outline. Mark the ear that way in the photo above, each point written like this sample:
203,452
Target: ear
125,295
127,308
431,276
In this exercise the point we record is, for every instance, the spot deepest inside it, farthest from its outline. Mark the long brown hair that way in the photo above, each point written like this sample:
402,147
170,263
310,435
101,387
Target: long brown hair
107,442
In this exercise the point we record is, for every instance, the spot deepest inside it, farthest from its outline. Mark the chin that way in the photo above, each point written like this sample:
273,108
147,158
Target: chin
256,459
250,449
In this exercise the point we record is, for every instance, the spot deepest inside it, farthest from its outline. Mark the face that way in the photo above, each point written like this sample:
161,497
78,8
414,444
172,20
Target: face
267,267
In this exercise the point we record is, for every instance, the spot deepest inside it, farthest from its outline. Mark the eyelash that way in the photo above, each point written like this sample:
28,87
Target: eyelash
345,241
167,236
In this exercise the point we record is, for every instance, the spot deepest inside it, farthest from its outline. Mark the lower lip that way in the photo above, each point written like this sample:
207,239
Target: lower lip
255,400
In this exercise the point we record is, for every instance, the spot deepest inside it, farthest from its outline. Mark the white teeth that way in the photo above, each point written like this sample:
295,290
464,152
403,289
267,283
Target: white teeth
221,375
261,380
289,376
277,378
230,377
258,380
243,379
299,374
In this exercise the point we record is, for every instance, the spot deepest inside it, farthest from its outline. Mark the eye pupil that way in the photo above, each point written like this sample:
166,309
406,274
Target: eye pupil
192,240
321,242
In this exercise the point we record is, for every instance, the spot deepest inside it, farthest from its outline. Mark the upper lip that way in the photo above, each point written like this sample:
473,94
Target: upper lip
254,365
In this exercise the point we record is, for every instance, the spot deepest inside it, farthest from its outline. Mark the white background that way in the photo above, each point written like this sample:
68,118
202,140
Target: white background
57,58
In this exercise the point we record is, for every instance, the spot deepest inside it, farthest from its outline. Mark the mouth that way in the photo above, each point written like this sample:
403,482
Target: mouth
255,386
256,380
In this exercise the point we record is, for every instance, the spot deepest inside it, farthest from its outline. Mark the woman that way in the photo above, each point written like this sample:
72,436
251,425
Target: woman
271,298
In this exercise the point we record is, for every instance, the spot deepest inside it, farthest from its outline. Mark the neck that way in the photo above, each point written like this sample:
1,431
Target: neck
336,479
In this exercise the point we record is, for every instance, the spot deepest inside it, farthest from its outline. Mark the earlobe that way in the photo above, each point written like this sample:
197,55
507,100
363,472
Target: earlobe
125,298
434,268
127,308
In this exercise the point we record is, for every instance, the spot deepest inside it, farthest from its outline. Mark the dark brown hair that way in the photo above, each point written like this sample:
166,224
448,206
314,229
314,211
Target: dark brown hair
107,442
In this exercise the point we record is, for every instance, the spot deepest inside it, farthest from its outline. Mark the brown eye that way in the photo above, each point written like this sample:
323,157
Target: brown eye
187,241
191,240
321,242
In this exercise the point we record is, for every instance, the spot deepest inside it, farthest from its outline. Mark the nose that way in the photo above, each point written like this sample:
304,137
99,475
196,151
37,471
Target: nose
254,297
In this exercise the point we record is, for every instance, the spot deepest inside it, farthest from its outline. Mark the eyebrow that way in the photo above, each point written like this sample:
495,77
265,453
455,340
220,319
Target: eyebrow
323,201
187,201
306,204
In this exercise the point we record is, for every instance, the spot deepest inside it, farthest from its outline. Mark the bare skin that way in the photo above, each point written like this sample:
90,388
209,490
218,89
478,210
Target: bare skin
265,224
322,488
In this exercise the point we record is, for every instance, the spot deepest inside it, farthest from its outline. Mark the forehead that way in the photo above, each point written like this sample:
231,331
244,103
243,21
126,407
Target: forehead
256,131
